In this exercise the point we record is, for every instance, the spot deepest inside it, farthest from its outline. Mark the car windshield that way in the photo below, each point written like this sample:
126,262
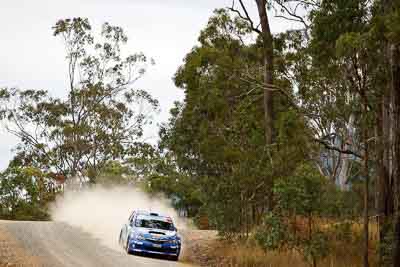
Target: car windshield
154,224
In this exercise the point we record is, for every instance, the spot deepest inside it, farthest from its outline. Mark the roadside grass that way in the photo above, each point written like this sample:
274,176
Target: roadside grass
250,256
345,252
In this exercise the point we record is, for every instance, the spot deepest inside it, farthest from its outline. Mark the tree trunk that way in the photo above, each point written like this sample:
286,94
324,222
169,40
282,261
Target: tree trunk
384,193
268,53
366,193
345,164
395,84
389,176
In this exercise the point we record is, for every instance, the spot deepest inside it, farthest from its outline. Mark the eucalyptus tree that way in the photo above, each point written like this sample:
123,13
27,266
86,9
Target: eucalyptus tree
101,118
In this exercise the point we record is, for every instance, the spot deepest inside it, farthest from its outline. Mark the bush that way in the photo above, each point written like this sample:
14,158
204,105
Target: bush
273,234
299,199
24,194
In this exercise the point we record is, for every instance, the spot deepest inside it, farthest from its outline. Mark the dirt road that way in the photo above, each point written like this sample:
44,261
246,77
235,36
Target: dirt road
59,244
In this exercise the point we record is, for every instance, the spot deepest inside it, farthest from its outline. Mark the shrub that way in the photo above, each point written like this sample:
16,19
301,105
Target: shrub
299,199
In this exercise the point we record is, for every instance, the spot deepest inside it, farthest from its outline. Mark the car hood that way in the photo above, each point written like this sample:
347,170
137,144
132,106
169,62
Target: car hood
157,234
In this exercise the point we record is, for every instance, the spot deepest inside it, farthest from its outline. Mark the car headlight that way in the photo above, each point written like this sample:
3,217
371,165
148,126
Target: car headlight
140,236
175,241
137,236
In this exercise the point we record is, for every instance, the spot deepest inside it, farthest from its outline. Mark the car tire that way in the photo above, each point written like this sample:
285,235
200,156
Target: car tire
174,258
120,238
127,246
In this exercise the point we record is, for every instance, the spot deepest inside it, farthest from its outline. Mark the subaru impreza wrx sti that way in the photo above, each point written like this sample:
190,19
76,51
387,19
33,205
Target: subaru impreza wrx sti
149,232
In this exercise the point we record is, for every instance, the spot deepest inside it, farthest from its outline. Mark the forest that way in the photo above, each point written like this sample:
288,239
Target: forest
286,141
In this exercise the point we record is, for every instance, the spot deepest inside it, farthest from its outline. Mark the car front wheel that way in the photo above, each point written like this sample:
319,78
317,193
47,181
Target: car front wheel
120,238
174,258
127,246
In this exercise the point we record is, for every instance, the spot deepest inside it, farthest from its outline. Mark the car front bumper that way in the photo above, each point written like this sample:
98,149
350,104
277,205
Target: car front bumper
144,246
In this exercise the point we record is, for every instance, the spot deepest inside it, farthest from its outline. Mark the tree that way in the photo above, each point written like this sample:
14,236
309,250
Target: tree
390,11
217,136
100,119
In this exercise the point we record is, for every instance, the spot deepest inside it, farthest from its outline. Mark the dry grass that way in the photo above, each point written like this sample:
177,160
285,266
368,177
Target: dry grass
253,256
344,253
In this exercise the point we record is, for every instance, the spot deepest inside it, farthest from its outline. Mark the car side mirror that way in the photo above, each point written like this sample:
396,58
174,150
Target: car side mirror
176,229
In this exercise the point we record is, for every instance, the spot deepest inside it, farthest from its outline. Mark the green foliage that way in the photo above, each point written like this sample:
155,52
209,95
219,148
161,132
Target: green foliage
273,235
299,198
180,188
302,194
25,193
393,27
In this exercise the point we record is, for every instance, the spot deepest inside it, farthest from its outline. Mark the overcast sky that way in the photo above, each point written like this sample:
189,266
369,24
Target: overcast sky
30,57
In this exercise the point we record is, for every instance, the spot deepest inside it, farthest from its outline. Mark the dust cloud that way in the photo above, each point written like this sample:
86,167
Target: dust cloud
102,211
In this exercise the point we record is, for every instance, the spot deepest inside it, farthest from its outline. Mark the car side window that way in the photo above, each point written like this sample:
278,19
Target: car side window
132,220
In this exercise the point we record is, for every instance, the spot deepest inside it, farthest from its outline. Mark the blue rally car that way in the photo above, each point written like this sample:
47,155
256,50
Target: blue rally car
148,232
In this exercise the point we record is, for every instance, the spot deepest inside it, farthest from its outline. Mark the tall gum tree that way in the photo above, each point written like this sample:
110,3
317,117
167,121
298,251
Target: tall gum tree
268,58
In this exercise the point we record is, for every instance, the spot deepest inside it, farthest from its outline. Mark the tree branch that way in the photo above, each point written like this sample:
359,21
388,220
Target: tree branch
245,17
342,151
292,14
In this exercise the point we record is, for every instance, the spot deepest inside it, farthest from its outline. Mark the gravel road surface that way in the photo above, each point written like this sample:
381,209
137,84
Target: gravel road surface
59,244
